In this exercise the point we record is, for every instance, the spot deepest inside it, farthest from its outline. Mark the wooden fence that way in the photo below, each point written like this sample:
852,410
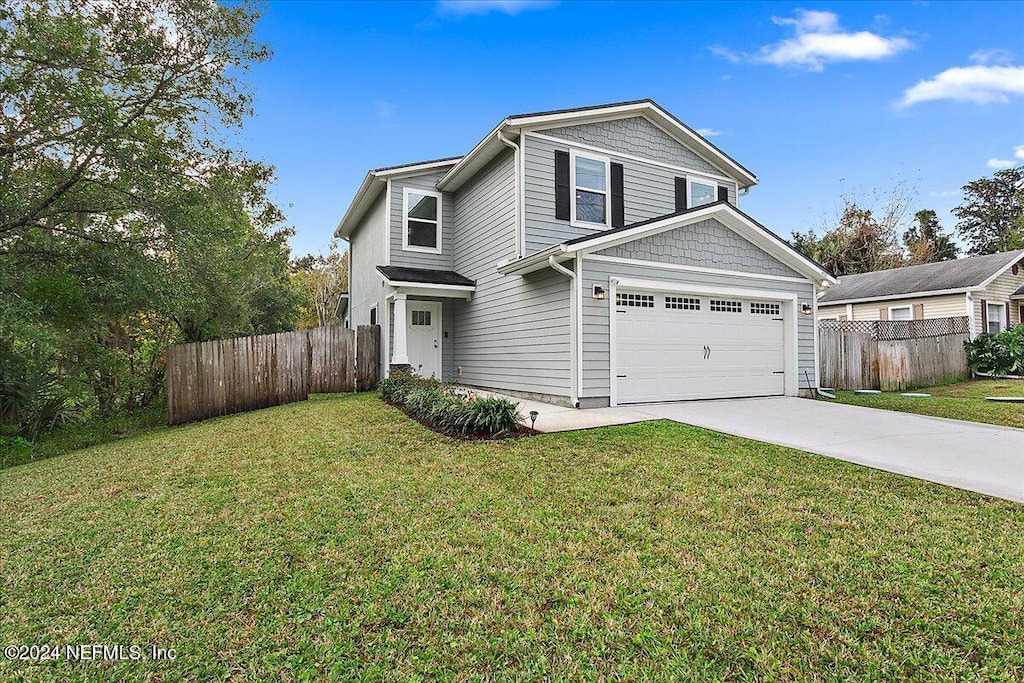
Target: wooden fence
224,376
892,355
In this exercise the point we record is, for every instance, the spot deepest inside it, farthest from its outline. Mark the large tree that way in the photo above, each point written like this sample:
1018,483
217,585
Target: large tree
926,242
322,280
857,243
110,106
992,212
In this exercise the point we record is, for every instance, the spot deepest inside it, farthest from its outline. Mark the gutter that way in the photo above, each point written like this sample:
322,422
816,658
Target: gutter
515,162
574,379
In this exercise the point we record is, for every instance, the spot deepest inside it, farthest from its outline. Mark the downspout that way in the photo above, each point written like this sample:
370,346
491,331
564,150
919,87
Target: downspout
515,175
574,393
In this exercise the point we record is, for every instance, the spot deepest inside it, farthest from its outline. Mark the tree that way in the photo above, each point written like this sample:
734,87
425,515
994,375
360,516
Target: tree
858,243
110,106
322,280
926,242
992,213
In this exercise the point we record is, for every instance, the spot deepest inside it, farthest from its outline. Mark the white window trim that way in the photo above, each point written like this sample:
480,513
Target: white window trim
909,307
703,180
373,314
1002,315
575,222
405,220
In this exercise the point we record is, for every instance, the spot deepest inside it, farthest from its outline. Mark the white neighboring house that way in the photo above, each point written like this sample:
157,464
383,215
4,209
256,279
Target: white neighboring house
588,257
989,289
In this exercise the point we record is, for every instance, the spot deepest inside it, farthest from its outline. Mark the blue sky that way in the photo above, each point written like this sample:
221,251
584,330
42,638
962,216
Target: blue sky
817,99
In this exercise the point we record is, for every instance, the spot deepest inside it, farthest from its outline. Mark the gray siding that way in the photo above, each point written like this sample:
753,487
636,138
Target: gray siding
638,137
648,191
417,259
595,316
366,248
708,244
447,333
514,334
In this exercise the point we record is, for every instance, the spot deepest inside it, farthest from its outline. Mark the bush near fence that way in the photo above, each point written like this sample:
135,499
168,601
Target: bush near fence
224,376
892,355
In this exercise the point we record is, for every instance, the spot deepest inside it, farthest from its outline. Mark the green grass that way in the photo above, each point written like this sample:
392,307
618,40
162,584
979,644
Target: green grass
338,540
961,401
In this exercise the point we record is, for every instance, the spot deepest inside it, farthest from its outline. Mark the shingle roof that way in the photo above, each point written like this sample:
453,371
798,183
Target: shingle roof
1019,292
960,274
425,276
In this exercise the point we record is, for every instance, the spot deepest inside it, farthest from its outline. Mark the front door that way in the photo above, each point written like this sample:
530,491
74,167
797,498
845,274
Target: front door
424,337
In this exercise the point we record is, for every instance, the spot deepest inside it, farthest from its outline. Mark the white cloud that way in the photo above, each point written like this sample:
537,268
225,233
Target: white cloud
999,164
1018,151
944,193
980,84
993,56
819,40
479,7
710,132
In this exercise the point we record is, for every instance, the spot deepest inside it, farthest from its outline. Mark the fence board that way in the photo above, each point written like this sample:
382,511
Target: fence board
892,355
223,376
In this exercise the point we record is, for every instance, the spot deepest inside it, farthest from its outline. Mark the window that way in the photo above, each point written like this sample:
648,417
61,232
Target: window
421,318
722,306
766,309
996,315
702,192
635,300
421,219
901,313
590,189
682,303
373,315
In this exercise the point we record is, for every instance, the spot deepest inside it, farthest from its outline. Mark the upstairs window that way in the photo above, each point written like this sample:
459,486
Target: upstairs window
590,189
421,218
702,192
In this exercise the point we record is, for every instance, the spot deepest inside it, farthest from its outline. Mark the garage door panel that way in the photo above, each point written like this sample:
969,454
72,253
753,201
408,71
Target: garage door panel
667,353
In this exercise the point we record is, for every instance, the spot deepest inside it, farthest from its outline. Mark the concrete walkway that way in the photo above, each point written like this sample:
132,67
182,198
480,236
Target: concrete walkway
967,455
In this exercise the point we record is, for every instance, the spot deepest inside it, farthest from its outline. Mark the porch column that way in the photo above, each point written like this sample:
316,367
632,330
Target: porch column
400,354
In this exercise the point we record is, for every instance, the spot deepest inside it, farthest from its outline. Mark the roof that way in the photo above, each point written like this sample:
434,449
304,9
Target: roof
1019,292
515,124
961,275
425,276
726,213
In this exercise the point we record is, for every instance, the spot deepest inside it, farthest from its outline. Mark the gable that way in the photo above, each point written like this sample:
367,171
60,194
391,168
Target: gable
706,244
635,136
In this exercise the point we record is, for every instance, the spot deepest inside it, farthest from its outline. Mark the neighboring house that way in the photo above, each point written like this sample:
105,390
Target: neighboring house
989,289
588,257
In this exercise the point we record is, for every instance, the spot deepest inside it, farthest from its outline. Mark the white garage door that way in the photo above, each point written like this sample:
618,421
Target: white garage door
674,347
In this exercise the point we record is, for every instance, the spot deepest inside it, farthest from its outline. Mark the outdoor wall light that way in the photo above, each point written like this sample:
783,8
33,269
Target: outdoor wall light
533,418
598,292
806,309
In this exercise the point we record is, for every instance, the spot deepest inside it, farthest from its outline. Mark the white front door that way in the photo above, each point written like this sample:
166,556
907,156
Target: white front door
674,347
423,321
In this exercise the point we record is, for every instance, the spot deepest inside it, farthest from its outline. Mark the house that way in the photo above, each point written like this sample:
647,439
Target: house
988,289
587,257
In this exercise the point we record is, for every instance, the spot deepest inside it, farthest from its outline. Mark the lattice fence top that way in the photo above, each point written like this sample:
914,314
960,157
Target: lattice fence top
891,330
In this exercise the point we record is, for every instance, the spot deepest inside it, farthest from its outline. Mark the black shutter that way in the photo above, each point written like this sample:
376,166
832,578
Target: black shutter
680,194
723,194
562,190
618,198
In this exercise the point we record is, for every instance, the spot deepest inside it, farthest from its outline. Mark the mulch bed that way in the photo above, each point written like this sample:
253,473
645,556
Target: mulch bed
520,432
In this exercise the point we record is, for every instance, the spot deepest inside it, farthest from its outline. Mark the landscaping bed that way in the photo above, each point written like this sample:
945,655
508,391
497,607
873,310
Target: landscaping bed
453,410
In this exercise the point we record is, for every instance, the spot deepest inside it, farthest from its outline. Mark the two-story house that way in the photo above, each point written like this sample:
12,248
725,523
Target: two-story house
588,257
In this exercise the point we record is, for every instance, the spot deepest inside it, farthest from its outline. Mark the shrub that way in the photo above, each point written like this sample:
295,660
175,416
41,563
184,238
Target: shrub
450,409
998,354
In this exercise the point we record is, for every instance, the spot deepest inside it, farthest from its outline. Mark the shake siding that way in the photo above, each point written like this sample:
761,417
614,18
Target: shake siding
707,244
418,259
367,252
648,189
514,333
595,317
999,292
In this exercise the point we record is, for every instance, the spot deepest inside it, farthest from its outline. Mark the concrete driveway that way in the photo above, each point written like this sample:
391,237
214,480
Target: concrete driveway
967,455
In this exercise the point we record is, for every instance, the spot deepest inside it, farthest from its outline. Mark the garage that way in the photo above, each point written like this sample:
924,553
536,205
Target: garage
675,346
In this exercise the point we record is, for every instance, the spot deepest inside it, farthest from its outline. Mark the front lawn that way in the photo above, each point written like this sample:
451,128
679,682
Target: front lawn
961,401
336,539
